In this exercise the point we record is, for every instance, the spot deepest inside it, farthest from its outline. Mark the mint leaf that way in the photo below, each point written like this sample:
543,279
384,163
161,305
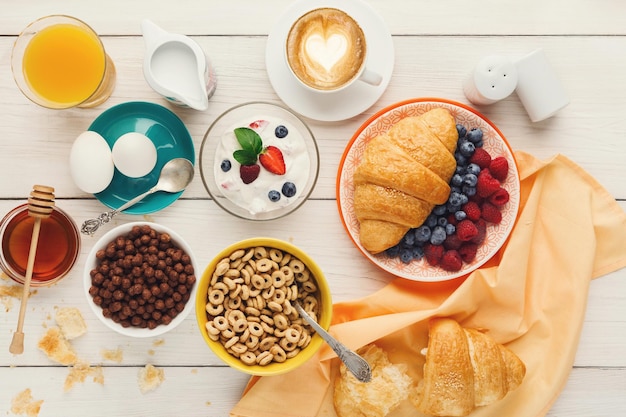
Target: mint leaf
245,157
249,140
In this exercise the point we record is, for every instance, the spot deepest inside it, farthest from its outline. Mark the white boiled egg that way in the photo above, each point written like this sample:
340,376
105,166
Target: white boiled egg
91,163
134,154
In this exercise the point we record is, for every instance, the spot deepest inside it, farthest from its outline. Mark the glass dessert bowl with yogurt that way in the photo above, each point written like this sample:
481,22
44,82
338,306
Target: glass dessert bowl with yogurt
259,161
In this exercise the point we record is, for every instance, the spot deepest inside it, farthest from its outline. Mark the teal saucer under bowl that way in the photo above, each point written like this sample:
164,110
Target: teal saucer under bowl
165,130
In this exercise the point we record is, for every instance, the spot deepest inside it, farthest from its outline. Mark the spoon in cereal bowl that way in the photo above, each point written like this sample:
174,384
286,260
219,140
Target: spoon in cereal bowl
175,175
355,363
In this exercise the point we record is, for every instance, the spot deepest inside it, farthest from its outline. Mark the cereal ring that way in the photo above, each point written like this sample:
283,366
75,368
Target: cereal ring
237,254
252,343
278,279
245,335
234,303
292,335
220,323
235,315
248,358
302,275
221,287
231,342
245,292
268,293
288,309
281,322
294,292
229,282
248,255
264,358
251,311
255,329
274,306
240,325
216,297
260,252
279,353
286,259
268,342
263,265
279,333
279,296
239,348
235,293
287,345
288,274
236,265
309,303
228,333
257,281
296,265
214,310
211,329
304,341
309,286
290,354
276,255
214,337
267,319
267,328
222,267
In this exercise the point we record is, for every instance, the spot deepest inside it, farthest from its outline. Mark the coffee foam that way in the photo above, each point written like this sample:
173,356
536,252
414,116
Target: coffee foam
326,48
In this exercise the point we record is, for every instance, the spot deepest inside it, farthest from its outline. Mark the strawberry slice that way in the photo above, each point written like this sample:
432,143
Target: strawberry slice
249,173
272,159
258,124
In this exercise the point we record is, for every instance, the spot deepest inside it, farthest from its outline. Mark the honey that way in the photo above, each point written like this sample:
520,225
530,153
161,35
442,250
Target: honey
57,249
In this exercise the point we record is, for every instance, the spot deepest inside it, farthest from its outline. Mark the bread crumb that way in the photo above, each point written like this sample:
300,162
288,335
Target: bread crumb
80,371
151,352
150,378
158,342
56,347
115,355
24,404
71,322
14,291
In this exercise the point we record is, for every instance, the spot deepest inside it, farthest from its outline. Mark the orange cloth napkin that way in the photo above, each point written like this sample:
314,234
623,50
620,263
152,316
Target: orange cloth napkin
531,296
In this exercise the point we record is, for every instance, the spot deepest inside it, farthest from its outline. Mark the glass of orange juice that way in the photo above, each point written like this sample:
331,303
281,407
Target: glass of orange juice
59,62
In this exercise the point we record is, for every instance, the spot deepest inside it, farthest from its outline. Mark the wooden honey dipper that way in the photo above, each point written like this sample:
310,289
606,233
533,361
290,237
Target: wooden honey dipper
40,206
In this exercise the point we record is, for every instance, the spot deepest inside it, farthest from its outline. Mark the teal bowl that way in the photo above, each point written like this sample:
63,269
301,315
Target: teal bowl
170,137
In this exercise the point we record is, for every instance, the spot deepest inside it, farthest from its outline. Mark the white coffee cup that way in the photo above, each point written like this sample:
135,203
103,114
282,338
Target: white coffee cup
326,51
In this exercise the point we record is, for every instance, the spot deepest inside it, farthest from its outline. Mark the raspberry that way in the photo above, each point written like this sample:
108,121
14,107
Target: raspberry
472,210
491,213
481,226
481,158
249,173
499,168
499,198
487,184
452,242
468,251
433,254
466,230
451,261
452,220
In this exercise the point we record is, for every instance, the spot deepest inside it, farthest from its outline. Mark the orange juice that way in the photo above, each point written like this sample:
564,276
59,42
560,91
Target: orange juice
64,64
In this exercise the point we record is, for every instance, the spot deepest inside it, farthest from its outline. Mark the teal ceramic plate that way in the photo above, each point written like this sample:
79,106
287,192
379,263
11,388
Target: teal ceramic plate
169,135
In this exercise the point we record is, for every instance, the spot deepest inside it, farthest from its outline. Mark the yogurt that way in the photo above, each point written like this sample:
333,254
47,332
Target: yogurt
255,197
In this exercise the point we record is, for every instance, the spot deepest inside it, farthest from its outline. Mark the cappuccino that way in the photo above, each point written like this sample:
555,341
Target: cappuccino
326,49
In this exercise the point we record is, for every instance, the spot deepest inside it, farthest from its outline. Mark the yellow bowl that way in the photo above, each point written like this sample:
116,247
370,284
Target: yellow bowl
274,368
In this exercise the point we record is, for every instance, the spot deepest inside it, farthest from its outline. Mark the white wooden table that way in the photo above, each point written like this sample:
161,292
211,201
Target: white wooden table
436,45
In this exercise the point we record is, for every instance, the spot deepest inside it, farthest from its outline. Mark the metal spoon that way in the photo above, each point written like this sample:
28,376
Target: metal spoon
175,175
355,363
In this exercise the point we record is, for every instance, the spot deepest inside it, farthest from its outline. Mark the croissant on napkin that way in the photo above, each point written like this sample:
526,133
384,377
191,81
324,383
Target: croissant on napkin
402,175
464,369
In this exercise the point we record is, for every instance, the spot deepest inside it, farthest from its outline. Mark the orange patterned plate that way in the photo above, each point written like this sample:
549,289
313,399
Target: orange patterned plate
494,143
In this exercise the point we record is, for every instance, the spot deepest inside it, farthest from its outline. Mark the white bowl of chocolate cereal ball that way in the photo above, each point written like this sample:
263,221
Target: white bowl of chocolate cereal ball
139,279
245,306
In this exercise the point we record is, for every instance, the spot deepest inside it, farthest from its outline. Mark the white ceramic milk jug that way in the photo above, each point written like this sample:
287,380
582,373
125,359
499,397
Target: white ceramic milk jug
176,67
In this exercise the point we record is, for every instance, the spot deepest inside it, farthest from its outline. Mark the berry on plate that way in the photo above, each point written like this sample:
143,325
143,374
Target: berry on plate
272,160
249,173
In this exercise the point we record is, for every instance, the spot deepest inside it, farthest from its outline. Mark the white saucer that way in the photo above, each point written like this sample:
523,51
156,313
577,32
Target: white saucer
344,104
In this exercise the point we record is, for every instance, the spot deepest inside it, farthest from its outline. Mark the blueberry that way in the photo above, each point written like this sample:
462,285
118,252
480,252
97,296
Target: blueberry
460,159
454,199
453,208
442,221
475,135
457,180
281,131
417,252
464,199
431,220
408,239
289,189
469,191
472,169
450,229
438,235
467,148
479,144
460,169
406,255
393,251
461,130
422,234
226,165
460,215
273,195
439,210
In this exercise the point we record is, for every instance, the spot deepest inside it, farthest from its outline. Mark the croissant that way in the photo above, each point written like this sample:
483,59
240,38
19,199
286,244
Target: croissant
464,369
402,175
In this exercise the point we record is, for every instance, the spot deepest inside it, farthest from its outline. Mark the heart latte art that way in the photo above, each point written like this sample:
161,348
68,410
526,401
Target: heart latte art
325,48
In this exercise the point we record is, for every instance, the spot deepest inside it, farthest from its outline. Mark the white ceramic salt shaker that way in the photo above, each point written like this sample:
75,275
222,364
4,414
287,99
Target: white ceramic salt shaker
538,87
493,79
